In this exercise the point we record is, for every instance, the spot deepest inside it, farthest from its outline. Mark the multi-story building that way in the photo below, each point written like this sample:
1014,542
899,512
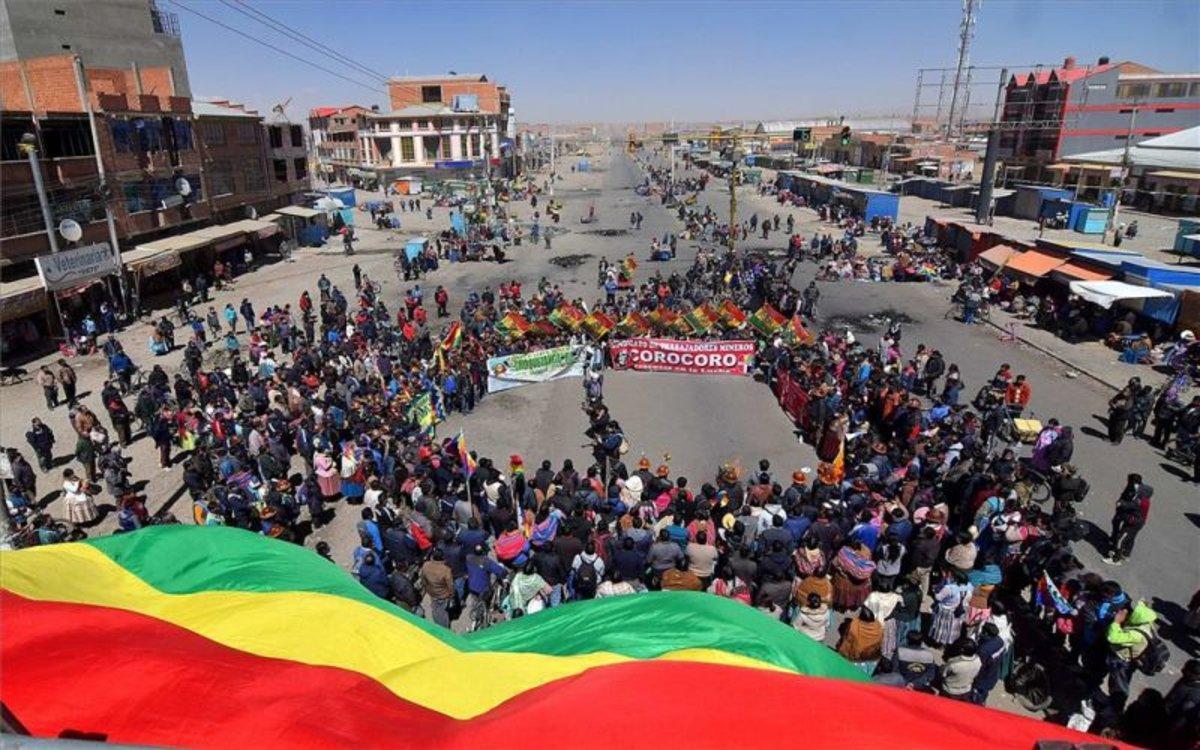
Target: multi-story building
287,156
249,168
104,33
1073,109
451,123
126,154
491,98
143,148
337,140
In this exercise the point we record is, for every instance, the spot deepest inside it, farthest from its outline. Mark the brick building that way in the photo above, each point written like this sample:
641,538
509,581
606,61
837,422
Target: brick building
410,91
337,140
145,143
167,167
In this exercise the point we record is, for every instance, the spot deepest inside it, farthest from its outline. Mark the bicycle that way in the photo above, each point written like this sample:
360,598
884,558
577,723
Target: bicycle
489,611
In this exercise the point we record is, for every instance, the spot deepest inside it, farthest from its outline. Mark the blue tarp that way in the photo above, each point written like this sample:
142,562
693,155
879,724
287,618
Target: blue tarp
1154,273
1162,309
415,247
458,223
342,194
1108,259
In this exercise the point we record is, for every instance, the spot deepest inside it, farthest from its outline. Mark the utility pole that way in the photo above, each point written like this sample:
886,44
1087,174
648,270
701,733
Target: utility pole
987,182
735,143
29,146
552,161
965,33
1125,167
81,85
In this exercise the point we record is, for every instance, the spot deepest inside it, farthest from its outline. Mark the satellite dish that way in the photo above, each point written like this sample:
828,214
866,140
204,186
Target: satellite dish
70,230
183,187
251,212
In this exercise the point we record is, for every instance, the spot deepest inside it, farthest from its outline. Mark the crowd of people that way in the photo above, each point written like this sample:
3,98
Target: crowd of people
915,546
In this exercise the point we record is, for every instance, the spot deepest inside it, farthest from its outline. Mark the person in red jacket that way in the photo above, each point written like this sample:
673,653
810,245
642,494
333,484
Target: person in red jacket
441,299
1016,395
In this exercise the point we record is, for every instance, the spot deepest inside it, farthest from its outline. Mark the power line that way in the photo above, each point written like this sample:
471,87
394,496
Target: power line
270,46
302,38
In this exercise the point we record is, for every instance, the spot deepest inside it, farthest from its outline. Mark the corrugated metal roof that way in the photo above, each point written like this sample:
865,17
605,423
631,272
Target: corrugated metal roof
209,109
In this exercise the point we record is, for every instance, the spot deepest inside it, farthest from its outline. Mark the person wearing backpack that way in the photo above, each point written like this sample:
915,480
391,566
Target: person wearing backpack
587,570
1132,645
1129,517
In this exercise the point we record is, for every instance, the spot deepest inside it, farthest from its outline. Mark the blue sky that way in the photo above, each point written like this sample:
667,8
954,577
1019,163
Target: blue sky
634,61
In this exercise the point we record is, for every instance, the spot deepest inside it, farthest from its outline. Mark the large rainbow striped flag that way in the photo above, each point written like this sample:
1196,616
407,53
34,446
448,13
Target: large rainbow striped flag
217,637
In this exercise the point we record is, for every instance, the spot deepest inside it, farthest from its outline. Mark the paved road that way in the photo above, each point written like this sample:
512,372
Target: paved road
1165,567
700,420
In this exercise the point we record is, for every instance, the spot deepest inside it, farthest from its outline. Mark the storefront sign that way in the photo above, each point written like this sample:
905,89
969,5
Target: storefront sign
513,370
77,265
674,355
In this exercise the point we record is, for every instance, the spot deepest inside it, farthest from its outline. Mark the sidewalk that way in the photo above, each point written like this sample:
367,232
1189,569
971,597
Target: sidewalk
1091,359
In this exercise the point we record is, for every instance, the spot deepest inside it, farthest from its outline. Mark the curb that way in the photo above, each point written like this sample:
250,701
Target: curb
1055,356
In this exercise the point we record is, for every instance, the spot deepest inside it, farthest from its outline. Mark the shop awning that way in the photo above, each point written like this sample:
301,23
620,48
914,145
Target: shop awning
300,211
1105,293
221,232
257,227
997,255
1174,175
1085,167
1034,264
1078,272
180,243
148,261
21,297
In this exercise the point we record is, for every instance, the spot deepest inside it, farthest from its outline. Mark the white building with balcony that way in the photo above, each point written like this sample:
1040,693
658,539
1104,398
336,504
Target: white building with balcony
431,137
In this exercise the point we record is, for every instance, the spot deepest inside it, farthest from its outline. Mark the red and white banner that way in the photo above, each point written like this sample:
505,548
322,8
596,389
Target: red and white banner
676,355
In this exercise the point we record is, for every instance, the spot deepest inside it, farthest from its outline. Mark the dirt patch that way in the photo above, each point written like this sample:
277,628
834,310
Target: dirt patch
607,232
571,261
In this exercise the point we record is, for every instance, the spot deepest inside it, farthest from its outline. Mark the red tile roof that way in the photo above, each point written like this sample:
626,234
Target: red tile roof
324,111
1063,75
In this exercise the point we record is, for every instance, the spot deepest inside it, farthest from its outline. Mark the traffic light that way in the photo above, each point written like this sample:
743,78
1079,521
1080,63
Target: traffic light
845,135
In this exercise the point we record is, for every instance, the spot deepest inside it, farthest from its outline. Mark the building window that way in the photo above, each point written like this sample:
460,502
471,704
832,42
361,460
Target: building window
447,152
301,166
1172,90
63,138
122,135
408,150
220,178
431,94
1133,90
297,136
276,134
213,133
1194,90
183,135
280,166
252,176
475,145
11,131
